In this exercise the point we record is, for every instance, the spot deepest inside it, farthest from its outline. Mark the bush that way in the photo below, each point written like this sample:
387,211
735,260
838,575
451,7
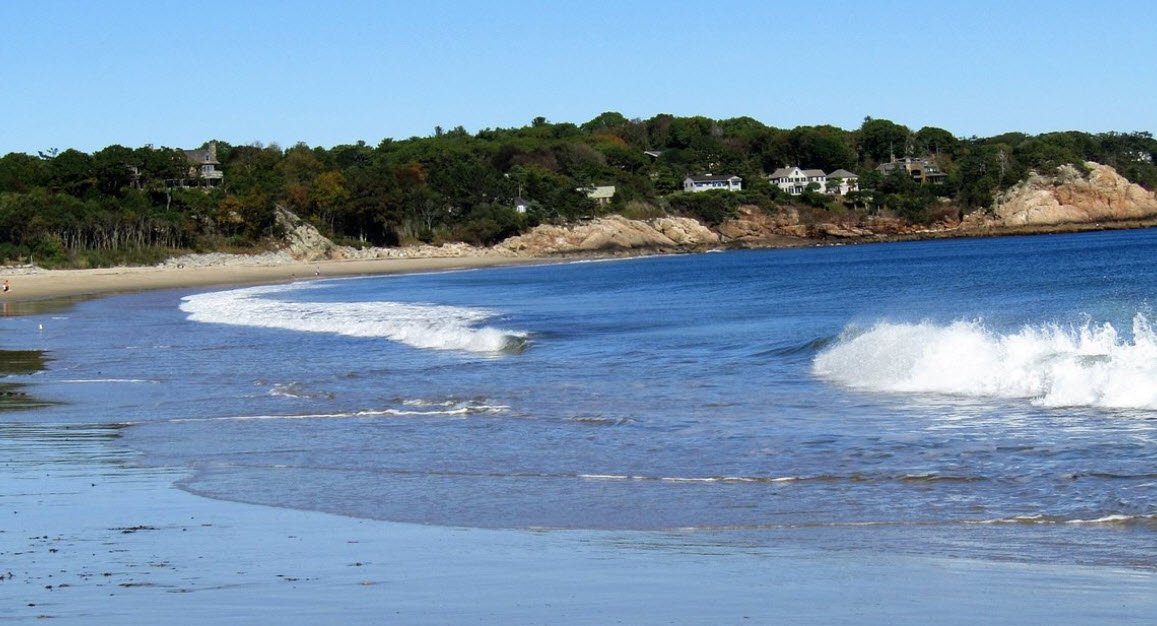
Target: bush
709,207
487,225
638,210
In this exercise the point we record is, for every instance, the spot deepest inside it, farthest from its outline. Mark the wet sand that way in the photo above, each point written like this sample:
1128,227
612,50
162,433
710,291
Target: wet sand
89,538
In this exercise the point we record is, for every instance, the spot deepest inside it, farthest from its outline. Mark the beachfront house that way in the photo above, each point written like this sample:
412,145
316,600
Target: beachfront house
203,170
708,182
795,181
922,170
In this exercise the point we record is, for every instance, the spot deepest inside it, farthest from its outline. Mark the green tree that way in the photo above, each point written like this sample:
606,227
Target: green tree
71,172
880,140
21,173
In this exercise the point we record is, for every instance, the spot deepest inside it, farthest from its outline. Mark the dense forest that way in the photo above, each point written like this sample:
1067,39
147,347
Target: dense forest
125,205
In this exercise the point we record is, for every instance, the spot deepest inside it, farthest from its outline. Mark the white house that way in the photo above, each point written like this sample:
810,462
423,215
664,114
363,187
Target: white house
795,181
841,182
727,182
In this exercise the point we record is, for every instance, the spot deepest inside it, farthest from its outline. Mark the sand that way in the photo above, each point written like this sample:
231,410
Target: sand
38,285
88,536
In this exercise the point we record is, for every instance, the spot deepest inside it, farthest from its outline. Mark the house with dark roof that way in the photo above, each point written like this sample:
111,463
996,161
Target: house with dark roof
203,170
922,170
708,182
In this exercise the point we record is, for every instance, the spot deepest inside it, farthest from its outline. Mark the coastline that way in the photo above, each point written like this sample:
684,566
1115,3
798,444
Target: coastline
33,284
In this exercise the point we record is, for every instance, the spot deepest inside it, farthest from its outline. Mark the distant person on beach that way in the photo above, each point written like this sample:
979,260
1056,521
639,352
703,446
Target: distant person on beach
7,286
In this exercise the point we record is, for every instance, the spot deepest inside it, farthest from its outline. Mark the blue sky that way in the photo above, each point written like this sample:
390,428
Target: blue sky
89,74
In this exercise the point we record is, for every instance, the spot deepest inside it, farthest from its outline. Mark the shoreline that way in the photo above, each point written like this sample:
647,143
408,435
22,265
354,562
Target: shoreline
32,284
41,285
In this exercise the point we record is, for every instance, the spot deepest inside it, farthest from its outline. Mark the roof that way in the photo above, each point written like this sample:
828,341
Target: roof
201,156
783,172
707,178
605,192
813,173
842,173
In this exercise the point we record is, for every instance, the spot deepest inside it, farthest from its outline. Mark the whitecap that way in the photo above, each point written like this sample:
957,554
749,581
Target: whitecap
424,326
1050,365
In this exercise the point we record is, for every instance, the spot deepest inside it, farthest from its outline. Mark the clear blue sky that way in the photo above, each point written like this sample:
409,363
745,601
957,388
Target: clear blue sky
89,74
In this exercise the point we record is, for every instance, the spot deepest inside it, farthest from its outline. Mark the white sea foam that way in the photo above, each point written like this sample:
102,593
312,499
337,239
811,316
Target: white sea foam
88,381
425,326
456,411
1105,520
1053,366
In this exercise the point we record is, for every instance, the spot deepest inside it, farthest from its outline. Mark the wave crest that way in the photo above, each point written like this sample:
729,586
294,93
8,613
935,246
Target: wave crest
425,326
1050,365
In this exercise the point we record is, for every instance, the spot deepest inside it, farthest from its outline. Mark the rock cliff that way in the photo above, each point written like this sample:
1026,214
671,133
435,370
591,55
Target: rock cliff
1069,197
612,234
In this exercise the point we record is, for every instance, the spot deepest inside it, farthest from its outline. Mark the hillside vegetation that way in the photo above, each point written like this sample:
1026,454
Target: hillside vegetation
139,205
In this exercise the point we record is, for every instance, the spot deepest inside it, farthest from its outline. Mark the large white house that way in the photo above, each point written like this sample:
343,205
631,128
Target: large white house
795,181
726,182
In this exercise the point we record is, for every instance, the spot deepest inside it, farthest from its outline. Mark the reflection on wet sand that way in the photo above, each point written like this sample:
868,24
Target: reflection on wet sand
19,363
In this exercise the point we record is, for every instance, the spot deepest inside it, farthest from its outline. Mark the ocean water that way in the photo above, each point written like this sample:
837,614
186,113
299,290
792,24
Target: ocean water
987,399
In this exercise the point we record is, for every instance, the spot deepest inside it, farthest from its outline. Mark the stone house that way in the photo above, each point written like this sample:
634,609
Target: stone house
203,170
922,170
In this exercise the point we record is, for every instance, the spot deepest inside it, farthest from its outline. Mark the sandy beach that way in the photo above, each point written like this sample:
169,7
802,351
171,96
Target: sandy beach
33,284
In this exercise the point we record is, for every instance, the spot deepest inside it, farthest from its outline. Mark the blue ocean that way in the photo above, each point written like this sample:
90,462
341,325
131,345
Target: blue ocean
990,399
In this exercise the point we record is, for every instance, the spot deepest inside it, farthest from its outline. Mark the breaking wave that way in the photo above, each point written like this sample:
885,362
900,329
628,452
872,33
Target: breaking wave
424,326
1050,365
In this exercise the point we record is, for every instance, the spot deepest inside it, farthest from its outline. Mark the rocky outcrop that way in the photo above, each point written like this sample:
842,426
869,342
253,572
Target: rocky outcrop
612,234
1069,197
685,231
752,226
303,242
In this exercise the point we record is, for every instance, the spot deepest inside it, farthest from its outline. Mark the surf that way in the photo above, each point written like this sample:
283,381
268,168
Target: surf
1093,365
422,326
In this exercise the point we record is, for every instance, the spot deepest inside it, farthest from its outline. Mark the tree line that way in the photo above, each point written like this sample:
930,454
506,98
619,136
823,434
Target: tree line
121,205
